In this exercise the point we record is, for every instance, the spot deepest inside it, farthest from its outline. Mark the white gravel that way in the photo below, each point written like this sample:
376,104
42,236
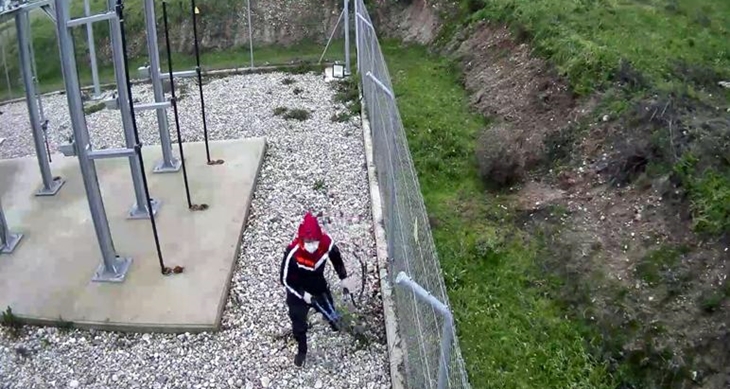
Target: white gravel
249,352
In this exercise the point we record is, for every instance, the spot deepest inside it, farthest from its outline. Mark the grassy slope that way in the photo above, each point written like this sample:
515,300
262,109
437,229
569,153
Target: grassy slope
511,335
679,48
587,39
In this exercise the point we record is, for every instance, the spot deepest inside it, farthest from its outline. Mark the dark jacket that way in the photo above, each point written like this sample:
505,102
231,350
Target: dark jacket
304,272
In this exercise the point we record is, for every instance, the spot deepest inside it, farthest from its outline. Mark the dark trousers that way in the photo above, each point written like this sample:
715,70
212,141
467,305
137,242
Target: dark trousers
298,311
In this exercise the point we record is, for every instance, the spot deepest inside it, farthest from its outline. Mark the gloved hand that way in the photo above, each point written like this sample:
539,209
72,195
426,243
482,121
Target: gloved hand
307,298
348,284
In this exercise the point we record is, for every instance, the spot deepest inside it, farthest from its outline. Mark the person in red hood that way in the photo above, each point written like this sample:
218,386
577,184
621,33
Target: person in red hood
302,274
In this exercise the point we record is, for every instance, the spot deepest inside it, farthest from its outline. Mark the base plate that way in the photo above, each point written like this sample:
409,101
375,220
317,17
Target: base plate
138,212
160,166
117,273
12,243
56,185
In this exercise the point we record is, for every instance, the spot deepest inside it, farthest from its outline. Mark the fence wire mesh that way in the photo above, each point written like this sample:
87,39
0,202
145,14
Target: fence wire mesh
410,244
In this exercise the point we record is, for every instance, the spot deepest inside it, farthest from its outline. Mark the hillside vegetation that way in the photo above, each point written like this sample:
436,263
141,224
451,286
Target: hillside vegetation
601,205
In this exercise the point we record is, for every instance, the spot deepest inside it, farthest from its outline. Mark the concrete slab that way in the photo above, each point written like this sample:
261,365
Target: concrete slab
48,276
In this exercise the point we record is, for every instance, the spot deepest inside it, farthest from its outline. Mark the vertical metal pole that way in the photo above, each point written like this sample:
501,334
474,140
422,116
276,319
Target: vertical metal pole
92,52
44,121
169,163
34,69
250,32
446,341
139,209
347,37
51,185
113,268
5,65
200,82
174,104
8,239
357,35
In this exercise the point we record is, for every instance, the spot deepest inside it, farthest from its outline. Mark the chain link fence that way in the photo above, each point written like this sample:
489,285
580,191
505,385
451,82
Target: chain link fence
410,244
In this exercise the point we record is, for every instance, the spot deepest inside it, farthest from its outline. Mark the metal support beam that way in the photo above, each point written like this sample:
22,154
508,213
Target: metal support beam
49,12
92,52
448,327
152,106
332,35
182,74
111,153
347,37
169,163
112,267
380,85
51,185
364,20
139,209
91,19
8,240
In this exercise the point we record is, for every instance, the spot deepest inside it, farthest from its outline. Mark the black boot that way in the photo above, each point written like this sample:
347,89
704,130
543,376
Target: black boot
335,327
300,358
301,353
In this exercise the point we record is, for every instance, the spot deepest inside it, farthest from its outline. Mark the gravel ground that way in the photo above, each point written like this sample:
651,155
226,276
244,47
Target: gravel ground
314,164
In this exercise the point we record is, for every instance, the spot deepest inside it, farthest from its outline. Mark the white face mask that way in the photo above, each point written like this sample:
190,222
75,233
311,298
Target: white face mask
311,247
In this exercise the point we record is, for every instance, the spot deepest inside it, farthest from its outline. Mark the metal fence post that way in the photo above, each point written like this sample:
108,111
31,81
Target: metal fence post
357,36
346,19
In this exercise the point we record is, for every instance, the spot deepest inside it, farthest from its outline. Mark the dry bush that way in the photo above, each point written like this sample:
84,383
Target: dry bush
505,154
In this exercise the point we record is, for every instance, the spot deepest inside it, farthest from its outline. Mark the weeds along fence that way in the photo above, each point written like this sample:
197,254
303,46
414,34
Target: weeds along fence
411,249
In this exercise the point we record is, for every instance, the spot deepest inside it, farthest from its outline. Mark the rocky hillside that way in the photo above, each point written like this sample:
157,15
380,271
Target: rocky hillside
224,25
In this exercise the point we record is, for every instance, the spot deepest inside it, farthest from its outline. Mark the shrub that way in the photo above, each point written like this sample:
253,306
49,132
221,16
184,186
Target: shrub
278,111
504,155
341,117
297,114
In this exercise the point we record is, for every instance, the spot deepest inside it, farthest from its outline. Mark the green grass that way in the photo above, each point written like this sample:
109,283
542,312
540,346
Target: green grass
588,39
511,335
678,48
652,266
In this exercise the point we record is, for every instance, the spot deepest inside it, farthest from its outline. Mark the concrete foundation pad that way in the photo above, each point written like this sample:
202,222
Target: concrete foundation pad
48,277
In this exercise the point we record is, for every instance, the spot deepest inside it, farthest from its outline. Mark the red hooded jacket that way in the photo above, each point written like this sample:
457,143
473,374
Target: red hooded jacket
302,271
